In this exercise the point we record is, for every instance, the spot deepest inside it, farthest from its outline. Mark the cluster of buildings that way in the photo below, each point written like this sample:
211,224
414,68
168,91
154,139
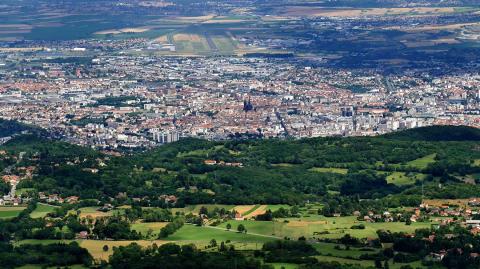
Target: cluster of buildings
140,101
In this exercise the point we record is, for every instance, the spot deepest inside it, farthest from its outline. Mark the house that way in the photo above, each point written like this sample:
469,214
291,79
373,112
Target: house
82,235
168,199
52,198
475,230
210,162
473,223
438,257
106,208
72,199
238,216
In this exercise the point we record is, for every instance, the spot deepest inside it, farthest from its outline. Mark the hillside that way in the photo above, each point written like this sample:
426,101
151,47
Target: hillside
438,133
264,171
350,202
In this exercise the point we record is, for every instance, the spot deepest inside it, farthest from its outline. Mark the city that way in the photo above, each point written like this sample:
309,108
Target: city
128,101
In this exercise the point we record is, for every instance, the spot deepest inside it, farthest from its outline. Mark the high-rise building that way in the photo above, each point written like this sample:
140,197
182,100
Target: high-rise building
164,137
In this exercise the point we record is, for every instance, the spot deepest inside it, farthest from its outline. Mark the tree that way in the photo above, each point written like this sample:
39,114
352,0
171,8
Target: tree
213,243
229,226
385,265
241,228
222,247
105,248
408,221
378,263
203,211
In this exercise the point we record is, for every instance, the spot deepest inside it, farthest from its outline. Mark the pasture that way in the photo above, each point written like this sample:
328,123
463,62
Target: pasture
402,178
146,227
422,163
342,171
7,212
202,235
42,210
322,227
93,212
95,247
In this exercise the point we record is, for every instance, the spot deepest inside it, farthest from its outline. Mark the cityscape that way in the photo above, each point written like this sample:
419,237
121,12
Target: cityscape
245,134
127,101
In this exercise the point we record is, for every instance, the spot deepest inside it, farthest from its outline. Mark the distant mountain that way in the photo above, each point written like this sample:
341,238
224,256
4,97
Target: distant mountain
438,133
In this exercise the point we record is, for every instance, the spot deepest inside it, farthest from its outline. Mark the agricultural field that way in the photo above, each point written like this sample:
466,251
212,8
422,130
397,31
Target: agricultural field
149,227
203,235
342,171
7,212
95,247
322,227
94,213
402,178
365,12
423,162
42,210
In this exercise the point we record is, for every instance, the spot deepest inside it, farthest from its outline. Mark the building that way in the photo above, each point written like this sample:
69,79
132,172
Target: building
165,137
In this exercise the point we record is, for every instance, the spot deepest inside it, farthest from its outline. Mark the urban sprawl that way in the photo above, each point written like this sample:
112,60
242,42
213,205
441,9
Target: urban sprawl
136,99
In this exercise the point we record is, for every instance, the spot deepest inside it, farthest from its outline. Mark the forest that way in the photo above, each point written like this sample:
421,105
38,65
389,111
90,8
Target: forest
392,167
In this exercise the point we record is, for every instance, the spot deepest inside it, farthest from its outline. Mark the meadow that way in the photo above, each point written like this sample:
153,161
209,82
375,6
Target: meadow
322,227
42,210
7,212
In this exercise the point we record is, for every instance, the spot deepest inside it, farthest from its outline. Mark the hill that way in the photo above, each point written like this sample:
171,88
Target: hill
438,133
262,171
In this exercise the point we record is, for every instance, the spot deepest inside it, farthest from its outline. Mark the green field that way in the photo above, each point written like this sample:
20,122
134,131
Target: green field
317,226
37,266
342,171
402,178
201,235
284,265
145,227
19,192
42,210
194,209
7,212
423,162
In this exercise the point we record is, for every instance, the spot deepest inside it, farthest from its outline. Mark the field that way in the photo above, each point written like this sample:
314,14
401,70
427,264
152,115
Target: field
340,12
203,235
95,247
94,213
423,162
258,232
211,39
42,210
7,212
330,170
145,227
402,178
448,202
37,266
322,227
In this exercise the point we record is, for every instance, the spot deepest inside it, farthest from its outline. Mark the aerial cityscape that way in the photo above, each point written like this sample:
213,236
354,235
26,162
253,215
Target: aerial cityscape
272,134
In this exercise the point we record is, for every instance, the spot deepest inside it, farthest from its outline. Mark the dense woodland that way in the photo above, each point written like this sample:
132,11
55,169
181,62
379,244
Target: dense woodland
272,172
